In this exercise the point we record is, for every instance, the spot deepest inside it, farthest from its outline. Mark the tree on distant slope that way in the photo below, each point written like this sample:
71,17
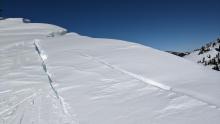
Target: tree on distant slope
216,68
218,40
204,49
213,45
218,49
203,59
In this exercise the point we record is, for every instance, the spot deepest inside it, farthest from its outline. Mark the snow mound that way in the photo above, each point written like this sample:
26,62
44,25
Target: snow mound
18,26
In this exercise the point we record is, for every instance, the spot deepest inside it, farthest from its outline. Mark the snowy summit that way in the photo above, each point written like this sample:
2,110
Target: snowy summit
49,76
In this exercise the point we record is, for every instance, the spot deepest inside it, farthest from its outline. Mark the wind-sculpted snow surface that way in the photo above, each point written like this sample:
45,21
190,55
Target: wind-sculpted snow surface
50,77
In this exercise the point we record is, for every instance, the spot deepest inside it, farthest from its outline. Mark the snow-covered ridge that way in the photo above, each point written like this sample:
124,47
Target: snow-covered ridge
52,77
208,55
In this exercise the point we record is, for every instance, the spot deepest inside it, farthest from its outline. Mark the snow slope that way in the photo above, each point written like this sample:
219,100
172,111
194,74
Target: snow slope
49,76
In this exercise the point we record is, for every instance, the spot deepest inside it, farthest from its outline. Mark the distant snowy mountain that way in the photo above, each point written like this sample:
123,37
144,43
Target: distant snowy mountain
208,55
180,54
49,76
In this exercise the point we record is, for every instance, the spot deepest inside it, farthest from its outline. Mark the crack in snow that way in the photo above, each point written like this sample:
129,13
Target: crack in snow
43,58
63,104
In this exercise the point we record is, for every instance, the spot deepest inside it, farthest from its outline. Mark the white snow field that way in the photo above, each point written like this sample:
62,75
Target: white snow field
48,76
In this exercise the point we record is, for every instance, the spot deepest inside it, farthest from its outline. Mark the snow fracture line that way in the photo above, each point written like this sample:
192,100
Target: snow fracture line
43,58
51,81
150,82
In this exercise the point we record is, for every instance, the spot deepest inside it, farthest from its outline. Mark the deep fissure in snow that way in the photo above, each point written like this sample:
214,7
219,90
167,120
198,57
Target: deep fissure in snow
51,81
43,58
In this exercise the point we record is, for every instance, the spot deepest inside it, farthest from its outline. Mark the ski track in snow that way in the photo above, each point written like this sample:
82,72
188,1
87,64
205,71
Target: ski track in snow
63,104
149,81
19,103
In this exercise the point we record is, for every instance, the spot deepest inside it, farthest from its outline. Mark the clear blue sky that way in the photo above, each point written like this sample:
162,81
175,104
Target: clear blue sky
163,24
